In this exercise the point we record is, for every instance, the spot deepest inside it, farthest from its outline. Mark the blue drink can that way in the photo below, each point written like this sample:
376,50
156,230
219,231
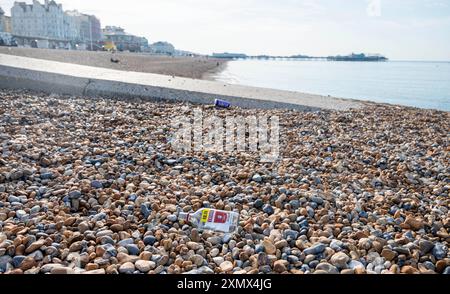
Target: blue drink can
222,103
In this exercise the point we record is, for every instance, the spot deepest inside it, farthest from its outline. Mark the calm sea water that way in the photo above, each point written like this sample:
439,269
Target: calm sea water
418,84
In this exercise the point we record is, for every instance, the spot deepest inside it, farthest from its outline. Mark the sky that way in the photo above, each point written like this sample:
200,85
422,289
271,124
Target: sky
398,29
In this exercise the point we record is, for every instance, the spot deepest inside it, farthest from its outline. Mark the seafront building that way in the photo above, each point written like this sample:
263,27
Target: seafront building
5,22
37,20
5,29
2,15
164,48
47,25
124,41
89,31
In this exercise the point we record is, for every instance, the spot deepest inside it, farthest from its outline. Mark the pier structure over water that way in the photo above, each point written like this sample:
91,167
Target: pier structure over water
352,57
236,56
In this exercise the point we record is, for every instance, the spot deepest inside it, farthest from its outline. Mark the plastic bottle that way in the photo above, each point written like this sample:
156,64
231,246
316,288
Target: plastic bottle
212,219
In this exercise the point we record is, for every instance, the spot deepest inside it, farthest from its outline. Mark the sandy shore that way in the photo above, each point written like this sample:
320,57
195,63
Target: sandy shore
93,186
211,74
188,67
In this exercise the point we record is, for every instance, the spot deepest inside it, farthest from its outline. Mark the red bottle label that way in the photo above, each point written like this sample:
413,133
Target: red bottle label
220,217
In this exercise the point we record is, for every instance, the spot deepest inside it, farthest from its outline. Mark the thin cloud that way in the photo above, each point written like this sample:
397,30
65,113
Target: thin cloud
315,27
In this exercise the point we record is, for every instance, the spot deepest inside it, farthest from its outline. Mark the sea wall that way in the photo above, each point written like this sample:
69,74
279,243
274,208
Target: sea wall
63,78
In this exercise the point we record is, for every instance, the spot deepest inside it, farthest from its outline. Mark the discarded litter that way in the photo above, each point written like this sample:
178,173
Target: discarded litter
222,103
212,219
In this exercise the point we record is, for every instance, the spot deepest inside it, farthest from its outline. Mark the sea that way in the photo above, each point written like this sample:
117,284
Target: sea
410,83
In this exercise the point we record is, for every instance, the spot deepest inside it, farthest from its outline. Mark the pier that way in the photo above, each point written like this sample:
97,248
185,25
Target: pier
352,57
239,56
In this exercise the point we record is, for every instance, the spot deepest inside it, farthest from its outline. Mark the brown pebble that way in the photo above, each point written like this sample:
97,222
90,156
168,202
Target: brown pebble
35,246
388,254
116,228
409,270
442,264
412,223
269,247
91,266
62,271
280,266
28,263
70,221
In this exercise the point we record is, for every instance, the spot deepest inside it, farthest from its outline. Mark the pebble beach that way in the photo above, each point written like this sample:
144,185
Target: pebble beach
92,186
188,67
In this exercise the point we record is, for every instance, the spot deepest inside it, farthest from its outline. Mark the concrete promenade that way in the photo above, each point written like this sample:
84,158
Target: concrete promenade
63,78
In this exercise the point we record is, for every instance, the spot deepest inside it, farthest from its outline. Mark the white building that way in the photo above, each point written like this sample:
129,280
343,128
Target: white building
88,27
2,24
38,20
71,31
162,48
5,22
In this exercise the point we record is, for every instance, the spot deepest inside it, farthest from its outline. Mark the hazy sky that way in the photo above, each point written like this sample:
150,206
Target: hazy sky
399,29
